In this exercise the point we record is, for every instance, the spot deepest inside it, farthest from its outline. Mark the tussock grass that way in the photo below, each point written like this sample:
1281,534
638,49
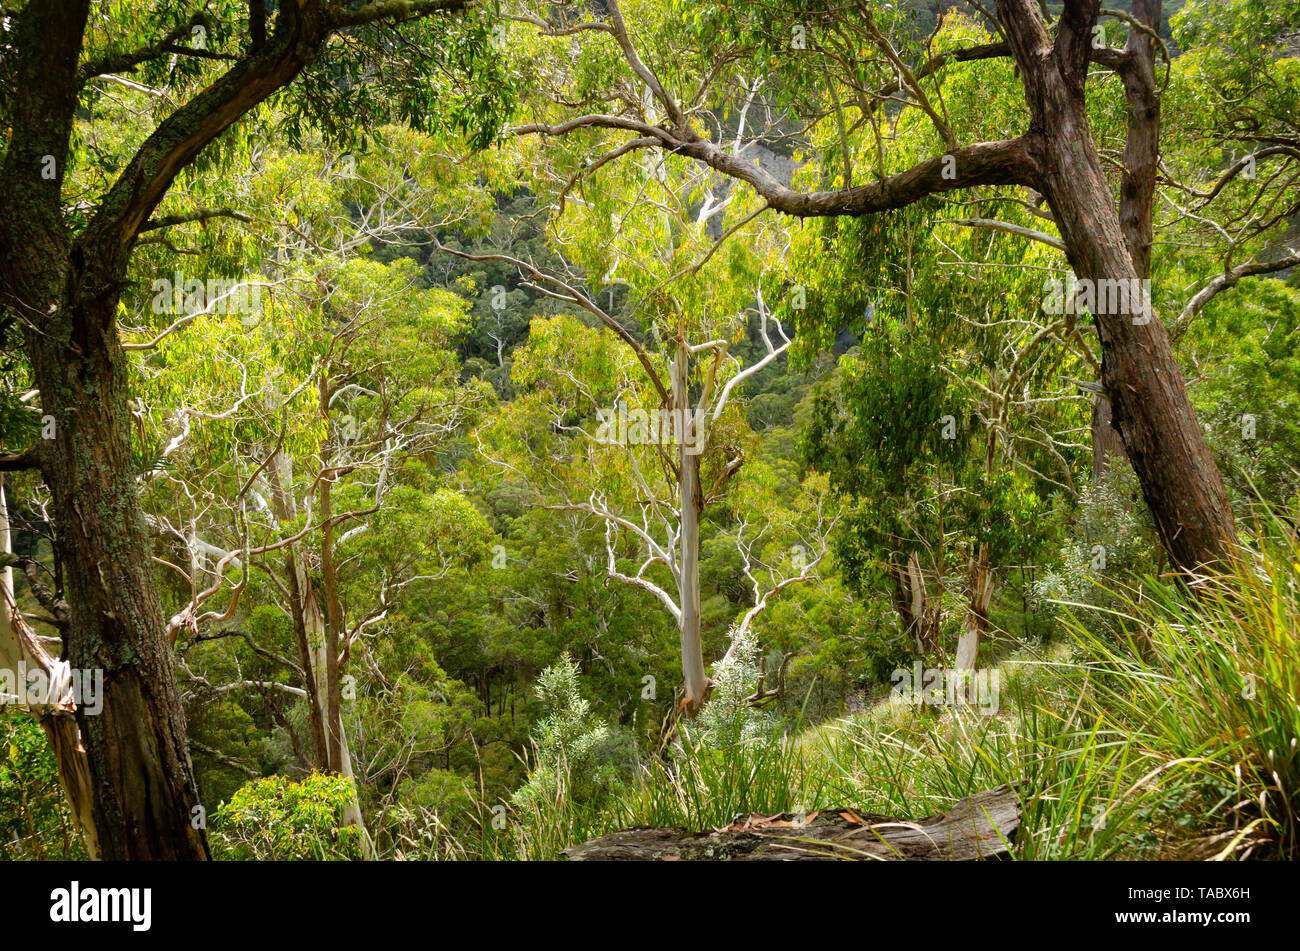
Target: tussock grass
1176,738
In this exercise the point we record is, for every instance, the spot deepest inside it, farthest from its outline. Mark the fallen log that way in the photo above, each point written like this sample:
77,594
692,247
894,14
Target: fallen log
978,827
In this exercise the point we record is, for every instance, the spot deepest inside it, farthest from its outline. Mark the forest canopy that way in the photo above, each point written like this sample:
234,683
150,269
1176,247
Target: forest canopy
462,429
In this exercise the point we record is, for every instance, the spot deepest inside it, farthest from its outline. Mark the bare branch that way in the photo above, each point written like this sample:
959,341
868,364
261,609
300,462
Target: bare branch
992,224
1231,278
575,296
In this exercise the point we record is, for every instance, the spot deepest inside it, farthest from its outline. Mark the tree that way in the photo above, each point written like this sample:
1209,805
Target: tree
292,433
669,441
952,420
1108,243
63,260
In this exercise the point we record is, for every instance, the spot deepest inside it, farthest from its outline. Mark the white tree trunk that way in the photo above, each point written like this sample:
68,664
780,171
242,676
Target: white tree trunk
352,812
688,583
968,647
976,620
319,644
314,621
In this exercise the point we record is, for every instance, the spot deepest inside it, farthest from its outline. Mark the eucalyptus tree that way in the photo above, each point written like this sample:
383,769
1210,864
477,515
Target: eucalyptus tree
845,67
957,418
292,434
637,426
76,201
35,679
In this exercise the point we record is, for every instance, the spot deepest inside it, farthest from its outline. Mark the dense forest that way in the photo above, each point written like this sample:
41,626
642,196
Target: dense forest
468,429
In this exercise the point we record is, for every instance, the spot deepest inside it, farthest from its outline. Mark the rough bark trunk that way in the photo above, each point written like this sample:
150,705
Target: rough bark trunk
1149,403
1162,438
145,791
65,290
143,782
1137,194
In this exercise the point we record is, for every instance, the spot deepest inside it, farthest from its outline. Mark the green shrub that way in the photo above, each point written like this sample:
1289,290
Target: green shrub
574,753
277,819
728,718
1108,552
35,821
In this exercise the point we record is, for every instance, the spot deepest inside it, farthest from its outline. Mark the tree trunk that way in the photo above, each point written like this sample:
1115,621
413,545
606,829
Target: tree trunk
1107,443
1162,438
918,618
351,813
904,604
143,783
74,776
331,701
975,622
1149,403
321,681
286,508
691,504
145,791
65,290
979,827
318,684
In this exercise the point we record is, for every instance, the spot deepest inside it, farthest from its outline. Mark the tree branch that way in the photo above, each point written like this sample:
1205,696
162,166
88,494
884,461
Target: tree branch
204,214
1073,48
1231,278
575,296
1005,162
398,11
122,62
60,613
992,224
29,458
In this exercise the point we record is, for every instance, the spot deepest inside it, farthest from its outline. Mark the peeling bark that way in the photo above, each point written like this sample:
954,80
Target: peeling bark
19,645
976,620
917,616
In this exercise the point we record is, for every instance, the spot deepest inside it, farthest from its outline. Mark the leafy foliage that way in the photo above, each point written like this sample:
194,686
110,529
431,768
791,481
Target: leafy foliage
276,819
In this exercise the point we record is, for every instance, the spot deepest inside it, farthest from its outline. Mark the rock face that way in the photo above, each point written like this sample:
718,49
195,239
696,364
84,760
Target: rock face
978,827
